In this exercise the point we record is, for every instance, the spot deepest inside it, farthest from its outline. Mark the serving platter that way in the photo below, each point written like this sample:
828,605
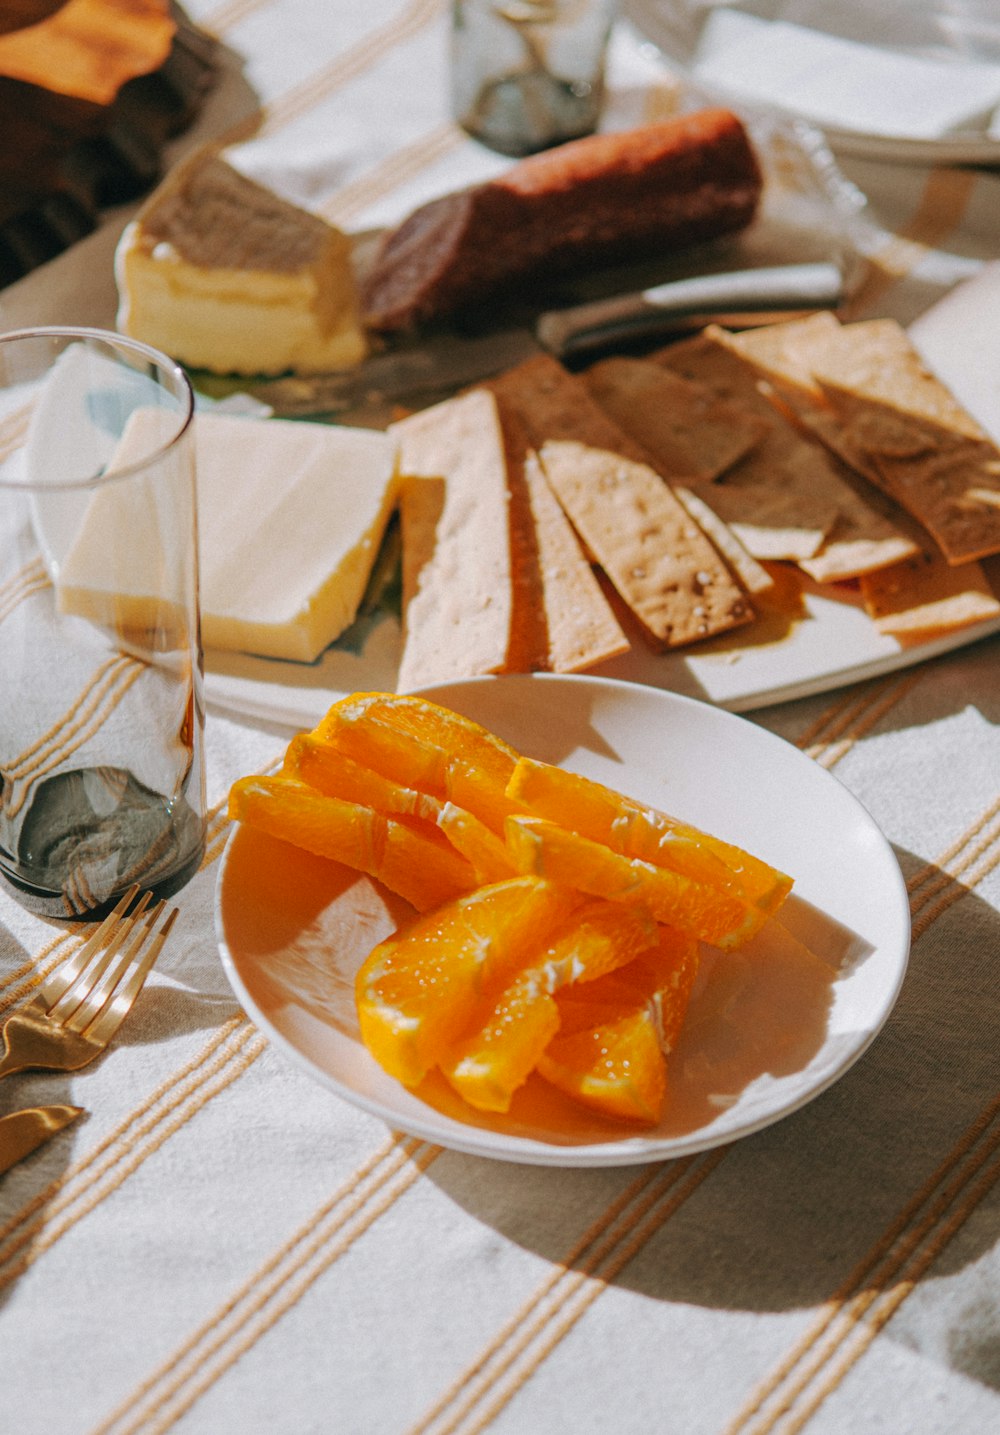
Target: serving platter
769,1028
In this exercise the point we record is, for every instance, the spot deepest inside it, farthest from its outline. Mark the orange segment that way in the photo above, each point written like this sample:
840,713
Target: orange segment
710,913
489,1066
425,746
495,1059
439,976
592,810
415,862
614,1032
323,767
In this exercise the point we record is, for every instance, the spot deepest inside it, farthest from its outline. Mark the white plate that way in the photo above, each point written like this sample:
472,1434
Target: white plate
832,643
769,1028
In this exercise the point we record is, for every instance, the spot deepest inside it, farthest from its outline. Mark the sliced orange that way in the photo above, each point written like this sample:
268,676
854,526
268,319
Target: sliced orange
488,1067
323,767
710,913
598,812
494,1060
414,861
440,975
427,747
614,1033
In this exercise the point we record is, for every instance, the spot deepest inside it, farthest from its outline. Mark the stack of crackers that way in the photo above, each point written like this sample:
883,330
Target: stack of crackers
552,520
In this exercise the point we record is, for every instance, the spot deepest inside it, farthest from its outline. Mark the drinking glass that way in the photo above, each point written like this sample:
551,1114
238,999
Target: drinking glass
101,709
528,74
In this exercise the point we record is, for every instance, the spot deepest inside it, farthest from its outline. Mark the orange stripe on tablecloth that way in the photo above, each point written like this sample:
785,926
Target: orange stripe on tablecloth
272,1291
32,578
832,735
341,70
351,199
942,205
884,1262
569,1293
14,430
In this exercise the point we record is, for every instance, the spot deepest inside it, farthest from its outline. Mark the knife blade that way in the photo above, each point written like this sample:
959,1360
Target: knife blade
24,1131
419,373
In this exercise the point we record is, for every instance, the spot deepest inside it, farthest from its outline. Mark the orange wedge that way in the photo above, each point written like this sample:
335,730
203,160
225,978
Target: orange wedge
323,767
632,830
710,913
490,1064
614,1033
414,861
427,747
441,974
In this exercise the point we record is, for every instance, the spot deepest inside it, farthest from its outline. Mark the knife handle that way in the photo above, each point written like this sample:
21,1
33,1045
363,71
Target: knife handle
565,332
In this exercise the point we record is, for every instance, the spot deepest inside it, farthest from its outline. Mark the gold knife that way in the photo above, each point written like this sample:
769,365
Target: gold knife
24,1131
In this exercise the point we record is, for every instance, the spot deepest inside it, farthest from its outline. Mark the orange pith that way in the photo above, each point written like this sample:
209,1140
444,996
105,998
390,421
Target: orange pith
627,827
441,974
418,864
715,916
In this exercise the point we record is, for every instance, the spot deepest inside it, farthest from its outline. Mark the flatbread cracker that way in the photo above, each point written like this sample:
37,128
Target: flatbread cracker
659,560
800,468
928,452
703,510
688,432
457,621
771,520
579,625
926,594
617,505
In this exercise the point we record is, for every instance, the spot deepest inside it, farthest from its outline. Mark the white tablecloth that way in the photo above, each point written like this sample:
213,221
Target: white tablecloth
223,1246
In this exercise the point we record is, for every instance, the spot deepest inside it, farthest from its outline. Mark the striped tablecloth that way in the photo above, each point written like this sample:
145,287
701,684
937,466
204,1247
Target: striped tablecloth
224,1247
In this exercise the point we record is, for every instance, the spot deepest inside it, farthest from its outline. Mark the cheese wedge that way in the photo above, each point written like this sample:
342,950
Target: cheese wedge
290,518
223,274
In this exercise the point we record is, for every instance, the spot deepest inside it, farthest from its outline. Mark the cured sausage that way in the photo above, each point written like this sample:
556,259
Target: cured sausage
601,199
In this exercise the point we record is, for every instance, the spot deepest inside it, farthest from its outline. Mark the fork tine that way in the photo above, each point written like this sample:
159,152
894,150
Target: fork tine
89,972
65,974
104,1010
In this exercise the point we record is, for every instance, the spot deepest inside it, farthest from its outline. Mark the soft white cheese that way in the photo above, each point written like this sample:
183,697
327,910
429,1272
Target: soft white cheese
225,275
290,519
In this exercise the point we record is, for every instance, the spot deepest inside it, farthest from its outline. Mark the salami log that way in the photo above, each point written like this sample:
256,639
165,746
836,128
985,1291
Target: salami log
602,199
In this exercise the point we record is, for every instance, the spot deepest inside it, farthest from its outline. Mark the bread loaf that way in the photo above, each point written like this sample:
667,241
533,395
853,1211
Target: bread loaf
596,200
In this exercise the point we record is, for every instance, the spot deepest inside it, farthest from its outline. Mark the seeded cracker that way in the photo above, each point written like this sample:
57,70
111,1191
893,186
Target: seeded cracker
660,562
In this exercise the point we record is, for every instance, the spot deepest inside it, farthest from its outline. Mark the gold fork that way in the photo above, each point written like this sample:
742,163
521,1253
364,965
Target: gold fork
83,1002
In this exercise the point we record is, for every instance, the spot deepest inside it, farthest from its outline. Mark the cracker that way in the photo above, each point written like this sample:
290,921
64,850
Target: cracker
800,468
687,430
659,560
702,508
772,521
580,627
929,453
926,594
617,505
457,621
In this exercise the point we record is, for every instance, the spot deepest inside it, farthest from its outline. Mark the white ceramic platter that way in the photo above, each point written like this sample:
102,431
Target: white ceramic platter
769,1028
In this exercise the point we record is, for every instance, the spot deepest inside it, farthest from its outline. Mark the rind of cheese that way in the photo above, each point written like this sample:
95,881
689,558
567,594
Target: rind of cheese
290,518
224,275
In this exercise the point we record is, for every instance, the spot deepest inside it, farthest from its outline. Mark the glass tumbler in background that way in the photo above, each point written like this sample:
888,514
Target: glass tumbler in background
101,711
528,74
